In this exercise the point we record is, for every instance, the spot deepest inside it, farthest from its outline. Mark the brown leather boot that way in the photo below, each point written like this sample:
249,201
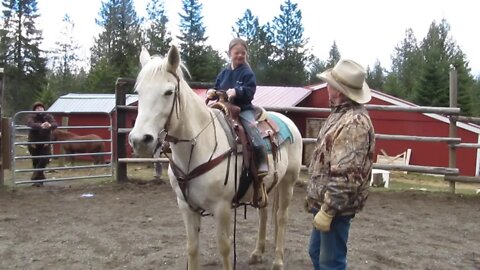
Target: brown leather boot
262,162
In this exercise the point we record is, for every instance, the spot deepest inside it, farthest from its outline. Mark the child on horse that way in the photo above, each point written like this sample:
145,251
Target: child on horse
239,82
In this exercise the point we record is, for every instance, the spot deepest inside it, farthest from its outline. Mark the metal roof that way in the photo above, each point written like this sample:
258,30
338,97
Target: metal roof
88,103
265,96
274,96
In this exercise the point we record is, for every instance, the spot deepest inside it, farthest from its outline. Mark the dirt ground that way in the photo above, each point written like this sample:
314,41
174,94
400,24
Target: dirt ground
138,226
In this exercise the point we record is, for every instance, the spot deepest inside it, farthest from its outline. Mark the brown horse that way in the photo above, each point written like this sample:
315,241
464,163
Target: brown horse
80,147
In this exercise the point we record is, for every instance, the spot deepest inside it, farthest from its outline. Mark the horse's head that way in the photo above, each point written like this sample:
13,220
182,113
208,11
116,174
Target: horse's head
157,86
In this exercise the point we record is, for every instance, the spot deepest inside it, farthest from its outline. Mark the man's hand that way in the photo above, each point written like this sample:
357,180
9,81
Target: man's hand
45,125
322,221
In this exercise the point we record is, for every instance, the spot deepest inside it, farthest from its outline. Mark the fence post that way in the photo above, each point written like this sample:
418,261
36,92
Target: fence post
61,161
120,119
2,135
452,154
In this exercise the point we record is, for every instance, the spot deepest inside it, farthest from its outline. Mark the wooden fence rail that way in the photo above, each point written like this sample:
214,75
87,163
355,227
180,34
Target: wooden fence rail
450,173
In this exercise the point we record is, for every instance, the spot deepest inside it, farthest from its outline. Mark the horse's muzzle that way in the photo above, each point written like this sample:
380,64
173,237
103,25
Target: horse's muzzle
143,146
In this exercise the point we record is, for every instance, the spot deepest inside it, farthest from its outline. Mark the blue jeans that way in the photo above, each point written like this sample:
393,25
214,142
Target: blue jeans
328,250
247,117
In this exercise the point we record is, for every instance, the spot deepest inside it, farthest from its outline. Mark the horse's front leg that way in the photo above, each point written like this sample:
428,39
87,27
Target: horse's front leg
285,193
222,220
256,255
192,221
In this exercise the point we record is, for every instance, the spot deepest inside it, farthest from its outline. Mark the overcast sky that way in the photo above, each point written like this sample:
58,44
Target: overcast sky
363,30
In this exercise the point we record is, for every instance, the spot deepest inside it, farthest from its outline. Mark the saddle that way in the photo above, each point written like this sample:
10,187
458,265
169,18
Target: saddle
269,130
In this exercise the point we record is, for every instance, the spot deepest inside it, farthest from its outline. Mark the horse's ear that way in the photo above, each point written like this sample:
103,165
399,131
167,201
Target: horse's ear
144,56
173,59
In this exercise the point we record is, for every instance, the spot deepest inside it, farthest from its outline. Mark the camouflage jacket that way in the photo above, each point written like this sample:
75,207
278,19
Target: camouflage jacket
341,163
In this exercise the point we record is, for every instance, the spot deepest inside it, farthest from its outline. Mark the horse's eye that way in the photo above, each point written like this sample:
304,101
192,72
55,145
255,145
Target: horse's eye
168,93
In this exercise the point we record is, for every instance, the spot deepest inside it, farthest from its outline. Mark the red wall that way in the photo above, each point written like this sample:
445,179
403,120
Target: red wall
409,123
399,123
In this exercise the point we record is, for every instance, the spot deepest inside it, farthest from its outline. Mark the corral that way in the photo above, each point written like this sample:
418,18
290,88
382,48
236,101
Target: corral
136,225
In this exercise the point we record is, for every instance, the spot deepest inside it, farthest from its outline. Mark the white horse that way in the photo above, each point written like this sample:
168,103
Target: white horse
166,103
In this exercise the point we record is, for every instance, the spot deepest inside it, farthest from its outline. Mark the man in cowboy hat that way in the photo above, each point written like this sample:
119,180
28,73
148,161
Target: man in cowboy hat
341,165
41,124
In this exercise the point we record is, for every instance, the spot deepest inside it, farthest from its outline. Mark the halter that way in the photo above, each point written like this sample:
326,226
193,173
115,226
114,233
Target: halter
182,177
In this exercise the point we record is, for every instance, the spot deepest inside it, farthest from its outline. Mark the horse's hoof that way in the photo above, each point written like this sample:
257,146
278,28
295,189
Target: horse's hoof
255,258
278,266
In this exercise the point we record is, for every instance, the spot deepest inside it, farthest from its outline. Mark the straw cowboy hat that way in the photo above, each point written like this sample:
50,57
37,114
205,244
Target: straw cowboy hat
348,77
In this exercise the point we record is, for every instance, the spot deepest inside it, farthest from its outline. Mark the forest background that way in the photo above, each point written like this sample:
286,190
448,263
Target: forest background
279,54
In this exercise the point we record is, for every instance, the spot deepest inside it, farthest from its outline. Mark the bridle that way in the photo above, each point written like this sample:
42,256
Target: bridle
182,177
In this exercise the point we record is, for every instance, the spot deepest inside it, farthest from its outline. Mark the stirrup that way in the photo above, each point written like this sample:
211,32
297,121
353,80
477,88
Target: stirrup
263,196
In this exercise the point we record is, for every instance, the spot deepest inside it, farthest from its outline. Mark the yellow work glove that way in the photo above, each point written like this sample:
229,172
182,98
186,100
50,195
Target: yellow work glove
322,221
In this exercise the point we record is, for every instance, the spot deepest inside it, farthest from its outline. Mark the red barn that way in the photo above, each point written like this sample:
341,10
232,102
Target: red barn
399,123
89,110
414,124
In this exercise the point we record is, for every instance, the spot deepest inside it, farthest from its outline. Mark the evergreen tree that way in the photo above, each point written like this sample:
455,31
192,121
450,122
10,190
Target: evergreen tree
158,37
375,79
117,47
25,67
440,53
406,66
291,56
66,60
247,27
195,54
333,56
317,66
476,97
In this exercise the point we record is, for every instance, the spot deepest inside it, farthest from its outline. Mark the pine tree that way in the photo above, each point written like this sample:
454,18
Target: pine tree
195,54
291,56
317,66
25,67
406,66
158,37
66,62
440,52
334,55
376,78
117,47
476,97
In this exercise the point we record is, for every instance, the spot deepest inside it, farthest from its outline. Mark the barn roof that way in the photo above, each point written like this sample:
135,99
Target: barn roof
88,103
266,96
275,96
400,102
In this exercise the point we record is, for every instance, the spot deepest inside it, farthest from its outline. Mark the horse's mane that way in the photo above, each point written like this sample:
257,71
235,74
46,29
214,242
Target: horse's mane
157,66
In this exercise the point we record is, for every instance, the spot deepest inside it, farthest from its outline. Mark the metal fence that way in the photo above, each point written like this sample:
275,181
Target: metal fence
21,165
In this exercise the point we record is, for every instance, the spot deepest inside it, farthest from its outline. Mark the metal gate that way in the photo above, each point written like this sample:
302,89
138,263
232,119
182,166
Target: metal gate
58,169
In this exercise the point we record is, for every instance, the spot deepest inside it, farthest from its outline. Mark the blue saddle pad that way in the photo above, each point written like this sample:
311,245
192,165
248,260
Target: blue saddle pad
283,134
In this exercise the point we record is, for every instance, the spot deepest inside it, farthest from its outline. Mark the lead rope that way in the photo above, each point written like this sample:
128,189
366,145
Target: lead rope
235,215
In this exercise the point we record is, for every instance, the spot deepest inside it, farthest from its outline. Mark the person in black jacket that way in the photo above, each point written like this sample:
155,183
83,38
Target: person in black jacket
239,82
41,124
